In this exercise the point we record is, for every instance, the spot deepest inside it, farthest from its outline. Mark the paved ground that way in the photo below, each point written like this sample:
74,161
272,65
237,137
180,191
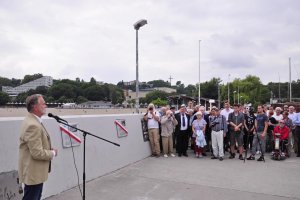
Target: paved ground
191,178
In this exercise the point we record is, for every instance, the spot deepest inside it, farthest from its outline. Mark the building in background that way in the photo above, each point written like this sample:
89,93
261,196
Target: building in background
46,81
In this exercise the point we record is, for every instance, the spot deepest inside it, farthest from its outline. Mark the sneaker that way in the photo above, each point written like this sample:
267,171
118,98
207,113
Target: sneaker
251,158
172,155
200,156
213,157
241,157
258,152
261,158
221,159
165,155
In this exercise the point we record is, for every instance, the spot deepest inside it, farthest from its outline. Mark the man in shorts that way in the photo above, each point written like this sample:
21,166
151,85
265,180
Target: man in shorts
236,120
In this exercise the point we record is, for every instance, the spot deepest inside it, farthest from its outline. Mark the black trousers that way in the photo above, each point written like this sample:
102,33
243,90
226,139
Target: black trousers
182,142
33,192
297,132
248,139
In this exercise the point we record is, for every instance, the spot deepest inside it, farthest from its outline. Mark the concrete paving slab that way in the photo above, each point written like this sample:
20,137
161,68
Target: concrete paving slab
192,178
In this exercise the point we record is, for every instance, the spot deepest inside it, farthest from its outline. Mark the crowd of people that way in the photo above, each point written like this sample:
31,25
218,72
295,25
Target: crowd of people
232,129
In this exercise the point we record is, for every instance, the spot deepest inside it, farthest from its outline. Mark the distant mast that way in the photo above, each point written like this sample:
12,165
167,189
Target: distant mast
290,84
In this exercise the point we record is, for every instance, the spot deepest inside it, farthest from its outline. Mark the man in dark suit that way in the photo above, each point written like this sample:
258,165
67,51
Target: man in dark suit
182,131
35,152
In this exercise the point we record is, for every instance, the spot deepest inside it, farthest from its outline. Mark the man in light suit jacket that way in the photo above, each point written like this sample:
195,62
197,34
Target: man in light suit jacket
35,152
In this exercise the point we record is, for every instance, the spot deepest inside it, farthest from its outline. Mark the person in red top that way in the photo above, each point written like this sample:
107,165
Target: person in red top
284,131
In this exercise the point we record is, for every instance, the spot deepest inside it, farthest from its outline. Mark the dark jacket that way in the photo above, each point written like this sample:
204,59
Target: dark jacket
178,118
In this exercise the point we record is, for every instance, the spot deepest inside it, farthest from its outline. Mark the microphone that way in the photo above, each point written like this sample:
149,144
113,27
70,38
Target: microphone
58,119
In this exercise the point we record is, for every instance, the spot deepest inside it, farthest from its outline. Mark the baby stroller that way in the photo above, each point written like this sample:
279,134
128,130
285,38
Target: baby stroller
280,151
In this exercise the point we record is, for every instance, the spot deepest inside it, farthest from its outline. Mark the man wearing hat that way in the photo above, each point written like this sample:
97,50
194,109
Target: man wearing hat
182,131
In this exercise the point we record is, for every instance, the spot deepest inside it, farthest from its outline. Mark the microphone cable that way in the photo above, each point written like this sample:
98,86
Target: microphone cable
78,181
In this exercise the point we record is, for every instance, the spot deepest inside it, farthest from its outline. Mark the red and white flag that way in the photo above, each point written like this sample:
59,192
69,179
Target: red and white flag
70,133
121,130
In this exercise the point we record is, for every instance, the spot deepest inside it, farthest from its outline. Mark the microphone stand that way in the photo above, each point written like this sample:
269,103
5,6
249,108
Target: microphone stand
85,133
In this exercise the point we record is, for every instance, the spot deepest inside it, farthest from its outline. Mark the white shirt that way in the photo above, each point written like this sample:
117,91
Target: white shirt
226,113
292,116
278,117
38,118
152,123
183,117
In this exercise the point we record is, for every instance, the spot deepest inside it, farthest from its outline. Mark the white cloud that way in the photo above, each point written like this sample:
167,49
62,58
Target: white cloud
69,39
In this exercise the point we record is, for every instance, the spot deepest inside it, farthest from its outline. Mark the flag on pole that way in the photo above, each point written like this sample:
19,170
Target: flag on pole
70,133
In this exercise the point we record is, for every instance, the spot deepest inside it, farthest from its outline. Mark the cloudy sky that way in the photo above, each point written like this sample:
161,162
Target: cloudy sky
96,38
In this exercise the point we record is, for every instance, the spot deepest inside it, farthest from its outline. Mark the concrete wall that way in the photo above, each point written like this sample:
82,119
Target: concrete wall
101,157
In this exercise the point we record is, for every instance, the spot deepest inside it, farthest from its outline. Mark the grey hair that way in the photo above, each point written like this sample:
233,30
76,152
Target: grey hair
31,101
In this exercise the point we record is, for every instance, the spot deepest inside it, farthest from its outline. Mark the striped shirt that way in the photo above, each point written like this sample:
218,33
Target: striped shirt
218,123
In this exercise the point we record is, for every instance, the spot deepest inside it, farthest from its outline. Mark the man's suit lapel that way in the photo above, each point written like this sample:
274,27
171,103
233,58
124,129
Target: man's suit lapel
43,127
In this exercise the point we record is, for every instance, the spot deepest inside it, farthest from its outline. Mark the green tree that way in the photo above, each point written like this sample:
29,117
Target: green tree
159,83
28,78
248,90
191,90
209,89
180,87
21,97
63,89
81,99
117,96
94,93
159,102
155,95
5,82
4,98
93,81
64,99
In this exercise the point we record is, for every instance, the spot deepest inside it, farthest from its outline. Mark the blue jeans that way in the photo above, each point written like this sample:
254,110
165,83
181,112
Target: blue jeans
33,192
255,143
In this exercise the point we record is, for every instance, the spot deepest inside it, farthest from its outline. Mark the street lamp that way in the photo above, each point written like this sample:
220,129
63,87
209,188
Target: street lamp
234,96
219,96
228,88
199,76
137,26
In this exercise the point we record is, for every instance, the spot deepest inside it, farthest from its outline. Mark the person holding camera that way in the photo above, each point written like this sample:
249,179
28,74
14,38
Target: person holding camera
153,118
236,121
218,125
168,123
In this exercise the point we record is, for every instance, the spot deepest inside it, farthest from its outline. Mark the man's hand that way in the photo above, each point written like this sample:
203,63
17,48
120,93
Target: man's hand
236,128
55,151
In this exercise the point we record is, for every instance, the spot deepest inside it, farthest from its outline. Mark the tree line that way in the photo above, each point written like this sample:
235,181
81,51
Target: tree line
249,89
